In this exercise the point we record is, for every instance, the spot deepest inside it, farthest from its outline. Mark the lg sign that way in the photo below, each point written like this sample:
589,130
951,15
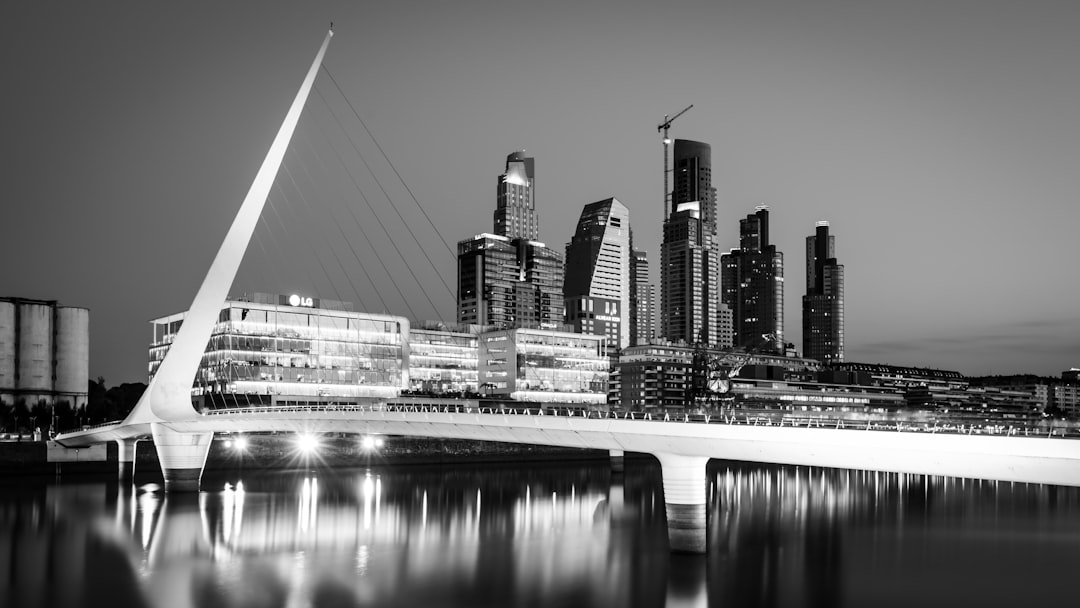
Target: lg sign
295,300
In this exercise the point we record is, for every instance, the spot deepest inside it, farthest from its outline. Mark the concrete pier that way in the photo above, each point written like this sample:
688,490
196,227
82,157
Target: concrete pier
618,464
125,457
684,499
182,457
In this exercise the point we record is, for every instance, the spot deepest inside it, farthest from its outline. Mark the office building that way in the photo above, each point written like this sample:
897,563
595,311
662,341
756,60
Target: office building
293,350
823,304
597,284
544,366
753,285
642,298
44,353
689,256
443,360
515,210
508,279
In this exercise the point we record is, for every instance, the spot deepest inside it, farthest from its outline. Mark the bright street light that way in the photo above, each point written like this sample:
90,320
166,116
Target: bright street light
307,444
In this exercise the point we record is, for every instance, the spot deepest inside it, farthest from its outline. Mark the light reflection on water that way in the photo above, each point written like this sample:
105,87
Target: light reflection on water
536,535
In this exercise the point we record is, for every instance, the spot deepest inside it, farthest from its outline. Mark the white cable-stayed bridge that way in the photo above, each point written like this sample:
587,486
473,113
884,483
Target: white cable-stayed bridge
182,435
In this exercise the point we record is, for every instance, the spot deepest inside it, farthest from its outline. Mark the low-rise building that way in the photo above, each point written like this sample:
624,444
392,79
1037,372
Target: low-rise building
537,365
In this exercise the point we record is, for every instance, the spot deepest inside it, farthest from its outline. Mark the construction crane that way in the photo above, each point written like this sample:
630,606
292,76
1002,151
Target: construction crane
663,128
718,370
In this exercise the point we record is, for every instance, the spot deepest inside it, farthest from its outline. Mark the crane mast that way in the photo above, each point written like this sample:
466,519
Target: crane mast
663,128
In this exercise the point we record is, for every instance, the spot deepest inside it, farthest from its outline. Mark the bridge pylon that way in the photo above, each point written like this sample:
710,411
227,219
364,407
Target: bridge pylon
685,484
182,457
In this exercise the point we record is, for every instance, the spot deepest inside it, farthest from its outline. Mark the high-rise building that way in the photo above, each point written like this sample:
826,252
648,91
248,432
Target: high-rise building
823,304
689,256
597,284
642,298
509,279
753,285
508,283
515,209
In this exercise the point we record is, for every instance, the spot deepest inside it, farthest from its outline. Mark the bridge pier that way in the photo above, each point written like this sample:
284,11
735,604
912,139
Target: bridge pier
684,501
182,456
125,457
618,464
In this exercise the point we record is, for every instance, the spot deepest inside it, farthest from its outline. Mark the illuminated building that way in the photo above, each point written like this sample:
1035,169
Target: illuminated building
289,350
544,366
642,298
509,283
44,353
689,257
823,304
597,284
509,279
753,284
515,210
443,361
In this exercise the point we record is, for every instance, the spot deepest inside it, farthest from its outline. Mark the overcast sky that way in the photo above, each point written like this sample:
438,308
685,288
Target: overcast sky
941,140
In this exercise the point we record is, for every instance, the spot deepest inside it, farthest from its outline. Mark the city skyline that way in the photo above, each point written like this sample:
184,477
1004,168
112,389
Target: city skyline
938,141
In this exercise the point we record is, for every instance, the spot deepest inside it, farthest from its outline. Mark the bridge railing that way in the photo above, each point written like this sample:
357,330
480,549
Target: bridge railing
779,419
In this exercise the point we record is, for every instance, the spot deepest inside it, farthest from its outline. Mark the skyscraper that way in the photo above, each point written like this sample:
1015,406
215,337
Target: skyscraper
597,285
509,279
823,304
752,282
642,298
515,208
689,256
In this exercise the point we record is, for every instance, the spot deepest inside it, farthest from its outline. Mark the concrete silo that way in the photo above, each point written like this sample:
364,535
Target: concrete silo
72,348
7,352
34,350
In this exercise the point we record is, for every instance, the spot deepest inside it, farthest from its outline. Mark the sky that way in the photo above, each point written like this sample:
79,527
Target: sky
940,139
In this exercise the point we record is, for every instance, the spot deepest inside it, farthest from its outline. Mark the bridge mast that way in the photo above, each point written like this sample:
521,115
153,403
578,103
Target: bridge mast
168,397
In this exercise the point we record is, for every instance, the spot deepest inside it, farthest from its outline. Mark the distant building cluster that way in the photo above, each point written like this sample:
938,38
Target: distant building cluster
586,326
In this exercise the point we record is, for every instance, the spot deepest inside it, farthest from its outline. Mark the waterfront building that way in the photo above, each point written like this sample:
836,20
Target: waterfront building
515,208
44,353
597,284
509,279
642,298
661,375
293,350
544,366
823,304
1067,399
689,255
443,360
753,285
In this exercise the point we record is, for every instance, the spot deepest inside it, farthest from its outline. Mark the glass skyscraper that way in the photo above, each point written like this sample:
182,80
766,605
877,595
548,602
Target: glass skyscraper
823,304
752,281
597,285
689,256
509,279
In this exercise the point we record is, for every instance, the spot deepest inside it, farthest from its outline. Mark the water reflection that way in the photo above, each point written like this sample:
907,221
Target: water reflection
536,535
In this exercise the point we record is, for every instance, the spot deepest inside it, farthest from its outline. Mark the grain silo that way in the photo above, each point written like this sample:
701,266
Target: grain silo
72,348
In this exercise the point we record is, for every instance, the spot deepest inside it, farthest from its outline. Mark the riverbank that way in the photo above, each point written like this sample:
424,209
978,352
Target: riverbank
282,452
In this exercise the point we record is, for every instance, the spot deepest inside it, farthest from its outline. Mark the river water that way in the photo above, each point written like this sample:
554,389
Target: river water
535,534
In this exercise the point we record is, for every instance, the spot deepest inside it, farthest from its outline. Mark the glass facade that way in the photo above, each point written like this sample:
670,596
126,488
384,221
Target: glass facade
752,285
263,354
544,366
442,362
